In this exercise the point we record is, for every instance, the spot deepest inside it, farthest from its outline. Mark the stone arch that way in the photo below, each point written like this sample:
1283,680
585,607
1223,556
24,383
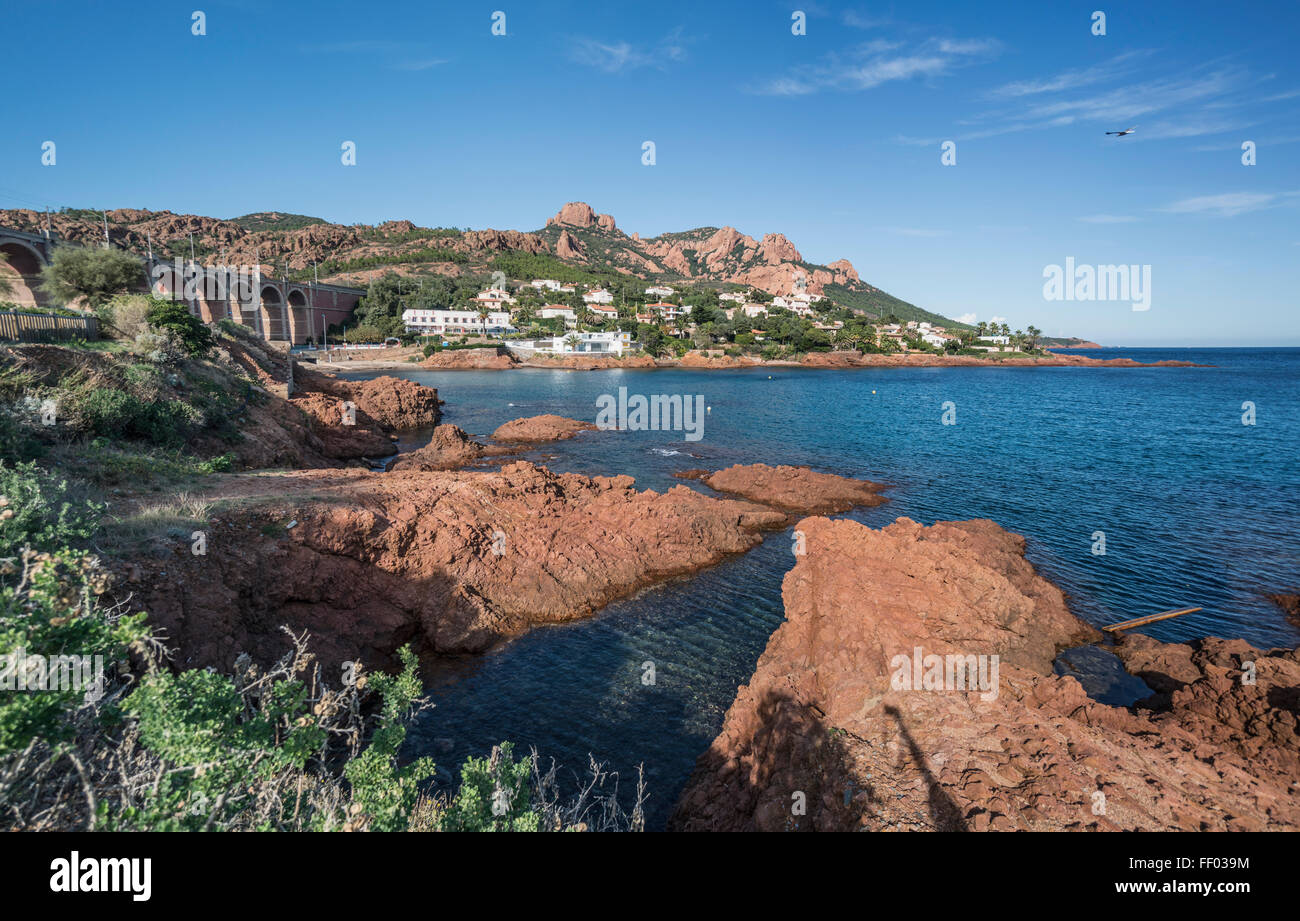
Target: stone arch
300,325
21,268
274,325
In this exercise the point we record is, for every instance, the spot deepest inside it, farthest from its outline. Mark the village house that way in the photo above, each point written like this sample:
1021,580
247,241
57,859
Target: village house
456,322
601,312
550,284
659,291
550,311
493,299
669,311
605,343
599,296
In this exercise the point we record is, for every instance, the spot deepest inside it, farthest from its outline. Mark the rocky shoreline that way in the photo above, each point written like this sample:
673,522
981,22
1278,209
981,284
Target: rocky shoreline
456,560
847,724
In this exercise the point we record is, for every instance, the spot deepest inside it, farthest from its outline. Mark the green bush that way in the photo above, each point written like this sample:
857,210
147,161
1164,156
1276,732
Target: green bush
115,413
174,317
50,614
38,510
495,795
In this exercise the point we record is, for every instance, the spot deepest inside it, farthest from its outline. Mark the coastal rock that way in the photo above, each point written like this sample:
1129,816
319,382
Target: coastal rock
830,716
452,562
1289,602
355,419
394,403
486,359
589,362
344,435
546,427
448,449
795,489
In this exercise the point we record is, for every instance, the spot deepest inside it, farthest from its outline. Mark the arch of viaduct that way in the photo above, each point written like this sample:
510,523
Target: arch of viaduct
276,309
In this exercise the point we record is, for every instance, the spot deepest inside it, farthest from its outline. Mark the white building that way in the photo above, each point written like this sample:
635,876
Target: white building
494,298
669,311
659,291
550,311
780,301
599,296
550,284
602,312
736,296
612,343
456,322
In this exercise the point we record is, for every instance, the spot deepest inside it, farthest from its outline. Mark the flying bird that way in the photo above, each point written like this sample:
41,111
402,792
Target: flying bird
1120,134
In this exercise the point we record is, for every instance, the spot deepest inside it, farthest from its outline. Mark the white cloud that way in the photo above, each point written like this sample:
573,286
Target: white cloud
997,319
875,63
1229,204
967,318
614,57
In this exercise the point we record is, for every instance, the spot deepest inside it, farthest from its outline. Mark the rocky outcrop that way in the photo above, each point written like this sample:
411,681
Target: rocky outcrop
546,427
356,419
1289,602
486,359
448,449
588,362
846,724
394,403
794,489
449,562
566,247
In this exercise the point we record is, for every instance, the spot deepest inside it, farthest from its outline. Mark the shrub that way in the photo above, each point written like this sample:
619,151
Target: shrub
126,316
115,413
175,318
38,510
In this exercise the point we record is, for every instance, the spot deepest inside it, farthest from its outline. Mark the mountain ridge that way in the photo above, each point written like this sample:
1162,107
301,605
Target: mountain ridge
577,240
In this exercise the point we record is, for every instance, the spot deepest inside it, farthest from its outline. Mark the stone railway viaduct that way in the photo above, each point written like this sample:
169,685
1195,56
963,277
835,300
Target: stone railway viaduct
276,309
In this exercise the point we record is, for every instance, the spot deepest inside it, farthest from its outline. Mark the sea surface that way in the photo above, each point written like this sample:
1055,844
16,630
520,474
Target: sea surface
1197,509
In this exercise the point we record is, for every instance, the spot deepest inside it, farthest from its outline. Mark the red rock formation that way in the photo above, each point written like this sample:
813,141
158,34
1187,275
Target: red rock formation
1289,602
546,427
566,247
497,359
355,419
451,562
795,489
575,214
828,717
448,449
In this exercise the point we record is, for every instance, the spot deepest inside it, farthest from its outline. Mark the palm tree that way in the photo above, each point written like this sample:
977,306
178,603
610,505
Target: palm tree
1034,332
573,340
980,329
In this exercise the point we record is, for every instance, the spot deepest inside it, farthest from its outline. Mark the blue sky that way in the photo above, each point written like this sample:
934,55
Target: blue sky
832,137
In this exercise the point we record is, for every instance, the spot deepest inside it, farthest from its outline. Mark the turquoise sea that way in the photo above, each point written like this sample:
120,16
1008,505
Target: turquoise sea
1197,508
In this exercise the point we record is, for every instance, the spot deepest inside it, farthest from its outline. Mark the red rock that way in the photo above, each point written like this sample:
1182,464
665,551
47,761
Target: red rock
483,359
824,717
451,562
795,489
547,427
448,449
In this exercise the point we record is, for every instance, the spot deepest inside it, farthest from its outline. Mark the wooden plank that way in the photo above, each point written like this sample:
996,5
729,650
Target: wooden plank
1149,619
